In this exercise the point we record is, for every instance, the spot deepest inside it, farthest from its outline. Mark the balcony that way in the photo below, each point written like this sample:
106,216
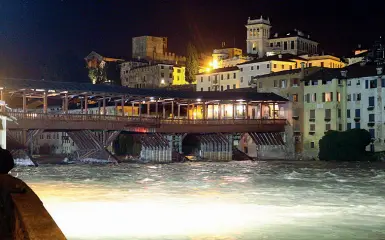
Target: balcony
371,124
328,119
311,119
357,119
371,108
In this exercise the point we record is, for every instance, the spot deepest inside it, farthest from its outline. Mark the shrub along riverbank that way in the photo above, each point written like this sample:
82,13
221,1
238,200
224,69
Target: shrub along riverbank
348,146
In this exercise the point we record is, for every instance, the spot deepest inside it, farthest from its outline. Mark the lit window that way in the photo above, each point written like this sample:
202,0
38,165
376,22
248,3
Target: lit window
295,97
312,145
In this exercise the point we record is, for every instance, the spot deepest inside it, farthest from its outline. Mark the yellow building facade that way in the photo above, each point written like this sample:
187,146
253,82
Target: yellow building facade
179,76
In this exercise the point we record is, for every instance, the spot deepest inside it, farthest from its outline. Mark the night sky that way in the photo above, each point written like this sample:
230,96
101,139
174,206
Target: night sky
36,33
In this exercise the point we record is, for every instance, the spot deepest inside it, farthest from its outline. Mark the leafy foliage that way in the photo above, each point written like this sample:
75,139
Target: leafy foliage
192,63
344,146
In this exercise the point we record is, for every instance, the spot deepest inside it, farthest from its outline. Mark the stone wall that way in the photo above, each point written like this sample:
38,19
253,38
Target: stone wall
23,214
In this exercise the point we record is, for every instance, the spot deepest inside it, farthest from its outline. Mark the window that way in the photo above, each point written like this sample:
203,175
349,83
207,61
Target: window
271,45
283,66
221,77
201,89
252,68
178,70
310,64
328,113
314,97
312,144
275,83
327,97
241,79
312,114
348,113
283,83
178,78
358,97
349,126
349,97
162,75
284,45
372,133
358,82
258,67
338,97
349,82
170,75
208,89
161,67
307,98
339,113
241,69
322,64
358,113
327,127
340,127
228,87
260,84
371,118
371,101
295,82
209,78
295,97
234,86
228,76
268,66
221,88
312,127
373,83
235,75
275,66
358,125
292,44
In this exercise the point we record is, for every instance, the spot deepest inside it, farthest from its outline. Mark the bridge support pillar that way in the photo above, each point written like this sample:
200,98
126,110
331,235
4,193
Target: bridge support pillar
90,147
216,147
269,145
20,143
161,148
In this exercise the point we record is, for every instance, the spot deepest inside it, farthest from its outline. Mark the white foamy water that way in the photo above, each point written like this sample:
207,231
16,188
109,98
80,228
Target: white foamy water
240,200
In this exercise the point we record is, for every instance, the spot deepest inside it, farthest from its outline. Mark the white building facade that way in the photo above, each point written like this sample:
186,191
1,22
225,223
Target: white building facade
251,69
365,105
219,79
261,43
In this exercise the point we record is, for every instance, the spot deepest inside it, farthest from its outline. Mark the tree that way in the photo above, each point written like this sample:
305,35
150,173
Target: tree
192,63
345,146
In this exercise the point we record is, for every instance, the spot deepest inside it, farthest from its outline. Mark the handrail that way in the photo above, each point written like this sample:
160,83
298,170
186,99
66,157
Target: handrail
23,214
142,119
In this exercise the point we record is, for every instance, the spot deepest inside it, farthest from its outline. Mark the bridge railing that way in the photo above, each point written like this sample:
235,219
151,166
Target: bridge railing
224,121
82,117
141,119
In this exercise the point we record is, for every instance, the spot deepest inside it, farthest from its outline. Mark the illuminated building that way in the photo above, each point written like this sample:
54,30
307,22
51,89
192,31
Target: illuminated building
220,79
324,107
288,84
149,76
102,69
260,42
179,76
327,61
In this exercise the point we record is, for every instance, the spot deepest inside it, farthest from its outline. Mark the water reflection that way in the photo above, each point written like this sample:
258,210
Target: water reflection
245,200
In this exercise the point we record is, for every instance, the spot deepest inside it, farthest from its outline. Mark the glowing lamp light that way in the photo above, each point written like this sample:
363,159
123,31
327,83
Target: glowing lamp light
208,69
162,81
199,100
240,100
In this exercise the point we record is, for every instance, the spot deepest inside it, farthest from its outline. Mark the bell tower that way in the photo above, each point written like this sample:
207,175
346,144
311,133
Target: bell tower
258,34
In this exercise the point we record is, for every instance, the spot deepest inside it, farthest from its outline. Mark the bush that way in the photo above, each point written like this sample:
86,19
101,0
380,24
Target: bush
345,146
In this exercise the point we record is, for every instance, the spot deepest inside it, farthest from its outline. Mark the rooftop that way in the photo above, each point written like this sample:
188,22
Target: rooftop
280,57
293,33
57,89
219,70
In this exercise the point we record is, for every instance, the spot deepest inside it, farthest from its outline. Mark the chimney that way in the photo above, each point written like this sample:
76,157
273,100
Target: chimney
379,70
276,35
280,56
344,73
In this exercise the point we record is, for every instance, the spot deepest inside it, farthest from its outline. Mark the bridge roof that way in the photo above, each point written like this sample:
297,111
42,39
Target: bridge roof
17,86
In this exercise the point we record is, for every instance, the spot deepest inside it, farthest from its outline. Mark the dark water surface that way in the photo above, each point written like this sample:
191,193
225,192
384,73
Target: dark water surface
238,200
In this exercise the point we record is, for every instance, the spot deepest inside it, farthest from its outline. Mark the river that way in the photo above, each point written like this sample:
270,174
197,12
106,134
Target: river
191,201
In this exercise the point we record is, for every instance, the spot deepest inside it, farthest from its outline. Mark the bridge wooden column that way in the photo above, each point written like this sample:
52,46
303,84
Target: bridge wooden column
216,146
